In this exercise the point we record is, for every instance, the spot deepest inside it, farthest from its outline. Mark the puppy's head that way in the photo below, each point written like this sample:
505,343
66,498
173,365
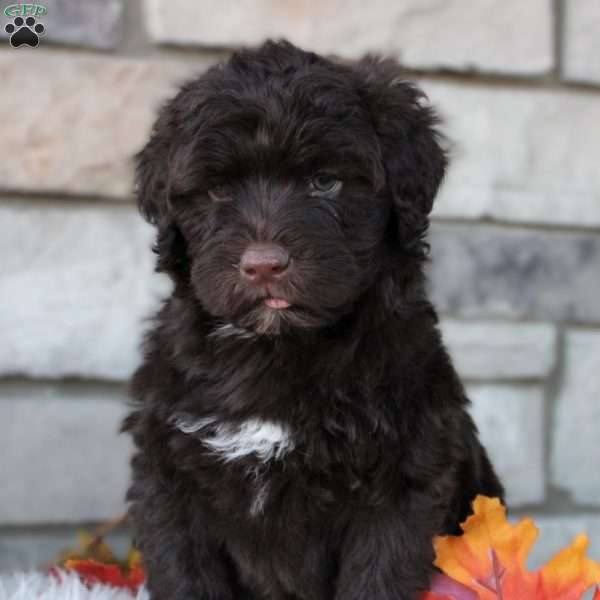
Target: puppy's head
284,185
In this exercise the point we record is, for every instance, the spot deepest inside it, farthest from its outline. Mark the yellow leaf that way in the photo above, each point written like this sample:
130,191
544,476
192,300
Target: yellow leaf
490,559
470,557
570,572
134,558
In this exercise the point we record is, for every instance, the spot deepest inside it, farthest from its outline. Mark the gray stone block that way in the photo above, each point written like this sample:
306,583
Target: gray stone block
581,58
482,270
464,39
81,118
575,439
74,297
493,350
62,457
519,154
94,23
510,419
23,550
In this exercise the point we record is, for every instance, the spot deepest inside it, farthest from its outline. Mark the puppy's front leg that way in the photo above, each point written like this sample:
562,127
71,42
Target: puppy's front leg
387,556
181,559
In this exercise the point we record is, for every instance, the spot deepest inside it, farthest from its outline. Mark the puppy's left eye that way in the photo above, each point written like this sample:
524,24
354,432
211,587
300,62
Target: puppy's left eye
219,194
324,184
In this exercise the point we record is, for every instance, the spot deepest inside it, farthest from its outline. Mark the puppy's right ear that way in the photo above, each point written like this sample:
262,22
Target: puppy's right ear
152,176
153,190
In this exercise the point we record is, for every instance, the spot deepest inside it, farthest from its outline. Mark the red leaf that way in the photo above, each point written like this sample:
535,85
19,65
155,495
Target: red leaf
92,572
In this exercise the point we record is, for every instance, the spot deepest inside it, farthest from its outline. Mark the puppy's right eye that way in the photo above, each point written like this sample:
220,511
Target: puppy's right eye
219,193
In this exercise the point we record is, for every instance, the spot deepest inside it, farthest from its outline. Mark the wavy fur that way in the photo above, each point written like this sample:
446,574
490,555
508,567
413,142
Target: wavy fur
381,454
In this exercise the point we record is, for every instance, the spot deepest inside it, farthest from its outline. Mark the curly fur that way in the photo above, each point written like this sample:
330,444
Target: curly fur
313,452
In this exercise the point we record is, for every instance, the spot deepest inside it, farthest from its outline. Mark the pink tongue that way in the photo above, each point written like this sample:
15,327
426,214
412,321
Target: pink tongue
277,303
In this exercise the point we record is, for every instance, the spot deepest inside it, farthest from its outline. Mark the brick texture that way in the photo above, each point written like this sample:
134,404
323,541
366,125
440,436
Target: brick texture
464,39
62,458
73,298
576,451
37,546
519,154
515,273
84,22
510,419
80,119
492,350
581,60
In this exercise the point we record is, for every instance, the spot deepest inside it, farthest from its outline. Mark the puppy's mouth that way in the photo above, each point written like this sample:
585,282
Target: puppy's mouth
277,303
275,313
274,299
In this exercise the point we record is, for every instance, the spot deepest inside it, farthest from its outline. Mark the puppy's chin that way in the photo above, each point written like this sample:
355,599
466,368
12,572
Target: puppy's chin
255,313
264,320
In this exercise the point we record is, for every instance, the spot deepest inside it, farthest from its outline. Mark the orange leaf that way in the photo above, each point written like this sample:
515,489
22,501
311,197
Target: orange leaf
89,547
570,573
92,571
445,588
488,550
490,559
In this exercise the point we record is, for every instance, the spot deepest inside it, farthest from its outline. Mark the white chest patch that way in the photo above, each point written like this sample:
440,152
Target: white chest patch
267,439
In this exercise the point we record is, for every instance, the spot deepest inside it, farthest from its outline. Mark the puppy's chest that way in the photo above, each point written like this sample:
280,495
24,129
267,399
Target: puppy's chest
253,464
247,454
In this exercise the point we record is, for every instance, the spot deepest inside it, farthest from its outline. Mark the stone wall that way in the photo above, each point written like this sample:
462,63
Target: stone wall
516,235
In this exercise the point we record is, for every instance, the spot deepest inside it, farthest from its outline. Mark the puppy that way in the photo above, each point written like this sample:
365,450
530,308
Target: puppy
301,432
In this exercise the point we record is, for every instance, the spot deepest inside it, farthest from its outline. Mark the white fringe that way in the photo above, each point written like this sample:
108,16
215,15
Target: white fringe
41,586
266,439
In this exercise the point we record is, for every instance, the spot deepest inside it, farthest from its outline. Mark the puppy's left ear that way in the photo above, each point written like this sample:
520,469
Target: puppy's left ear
413,157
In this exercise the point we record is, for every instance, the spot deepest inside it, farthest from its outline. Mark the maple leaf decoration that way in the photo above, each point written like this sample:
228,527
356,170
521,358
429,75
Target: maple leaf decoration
488,562
95,562
94,572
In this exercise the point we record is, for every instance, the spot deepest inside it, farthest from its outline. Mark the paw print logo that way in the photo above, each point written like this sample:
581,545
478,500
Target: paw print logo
24,31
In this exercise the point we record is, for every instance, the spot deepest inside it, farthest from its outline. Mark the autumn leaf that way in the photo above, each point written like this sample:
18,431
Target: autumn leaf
134,558
95,562
91,547
445,588
434,596
92,572
570,573
490,559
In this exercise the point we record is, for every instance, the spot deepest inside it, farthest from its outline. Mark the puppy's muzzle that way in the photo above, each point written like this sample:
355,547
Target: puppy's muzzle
262,264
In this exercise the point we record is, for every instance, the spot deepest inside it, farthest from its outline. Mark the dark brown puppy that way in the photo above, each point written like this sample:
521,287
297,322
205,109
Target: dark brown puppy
301,431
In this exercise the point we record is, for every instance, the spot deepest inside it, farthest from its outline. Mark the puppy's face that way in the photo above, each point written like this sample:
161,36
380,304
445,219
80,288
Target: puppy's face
281,214
275,178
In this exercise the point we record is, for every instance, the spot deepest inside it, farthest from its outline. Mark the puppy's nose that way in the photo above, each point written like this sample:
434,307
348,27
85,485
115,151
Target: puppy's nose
263,263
